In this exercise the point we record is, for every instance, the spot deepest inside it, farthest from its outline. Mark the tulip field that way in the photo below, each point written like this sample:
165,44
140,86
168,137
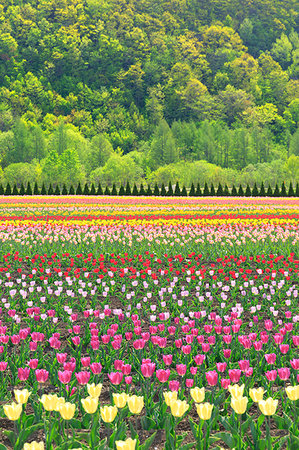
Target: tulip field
149,323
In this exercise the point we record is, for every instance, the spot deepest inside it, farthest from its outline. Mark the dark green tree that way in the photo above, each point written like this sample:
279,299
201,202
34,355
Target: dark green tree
1,189
86,189
297,190
269,191
7,189
276,191
121,191
192,191
107,191
163,190
262,190
212,190
156,190
99,190
135,190
248,191
43,190
64,190
28,190
114,190
50,190
142,190
219,192
15,190
35,189
79,189
184,192
240,191
234,192
170,190
226,191
92,189
206,191
177,190
57,190
128,189
283,192
291,192
149,191
198,192
71,190
255,191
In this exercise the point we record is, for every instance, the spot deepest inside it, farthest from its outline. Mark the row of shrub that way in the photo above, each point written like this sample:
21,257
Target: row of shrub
155,191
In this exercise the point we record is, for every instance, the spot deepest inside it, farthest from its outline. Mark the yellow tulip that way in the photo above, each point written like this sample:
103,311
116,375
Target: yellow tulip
135,404
13,411
293,392
34,446
120,400
90,404
108,413
235,390
268,407
204,410
94,390
60,402
239,404
178,407
67,410
256,394
197,394
128,444
170,396
49,402
22,396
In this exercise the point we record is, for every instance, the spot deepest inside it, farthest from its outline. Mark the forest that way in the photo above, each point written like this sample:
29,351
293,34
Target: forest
149,91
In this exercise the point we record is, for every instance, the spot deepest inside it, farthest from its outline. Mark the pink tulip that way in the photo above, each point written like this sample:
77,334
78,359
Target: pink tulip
163,375
41,375
284,348
271,375
199,359
284,373
295,364
174,385
65,376
85,361
181,369
234,375
225,382
118,363
128,380
148,369
3,366
270,358
227,352
189,382
83,377
244,364
221,366
167,359
23,374
193,370
61,357
212,377
96,368
115,377
33,363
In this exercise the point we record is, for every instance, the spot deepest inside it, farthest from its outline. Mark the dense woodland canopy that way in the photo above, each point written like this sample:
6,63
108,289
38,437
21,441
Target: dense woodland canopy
117,90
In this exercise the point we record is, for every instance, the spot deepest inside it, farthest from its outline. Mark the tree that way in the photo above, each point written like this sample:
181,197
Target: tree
163,149
100,151
292,167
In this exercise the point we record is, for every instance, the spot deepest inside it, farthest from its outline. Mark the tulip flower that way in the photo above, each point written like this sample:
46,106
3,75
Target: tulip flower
135,404
236,391
204,410
108,413
41,375
49,402
268,407
90,404
83,377
212,377
198,394
178,407
128,444
120,400
34,446
22,396
13,411
94,390
256,394
115,377
67,410
170,396
293,392
239,404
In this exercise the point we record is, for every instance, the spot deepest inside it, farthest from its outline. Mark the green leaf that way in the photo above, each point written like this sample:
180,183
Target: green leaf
2,447
76,424
148,423
227,438
148,443
194,428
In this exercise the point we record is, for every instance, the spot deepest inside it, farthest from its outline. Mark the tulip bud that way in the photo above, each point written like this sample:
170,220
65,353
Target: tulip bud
135,404
204,410
239,404
198,394
90,404
94,390
22,396
34,446
67,410
108,413
236,391
120,400
128,444
293,392
178,408
13,411
256,394
268,407
170,396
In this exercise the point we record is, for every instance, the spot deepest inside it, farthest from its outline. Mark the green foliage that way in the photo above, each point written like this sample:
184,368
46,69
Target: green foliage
86,189
7,190
35,189
50,190
43,190
234,191
1,189
219,191
156,190
114,191
15,190
107,191
122,191
142,191
206,191
71,190
64,190
29,190
262,190
163,190
276,192
192,191
198,192
248,191
135,190
57,190
291,192
170,190
269,191
99,190
255,191
79,189
177,191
